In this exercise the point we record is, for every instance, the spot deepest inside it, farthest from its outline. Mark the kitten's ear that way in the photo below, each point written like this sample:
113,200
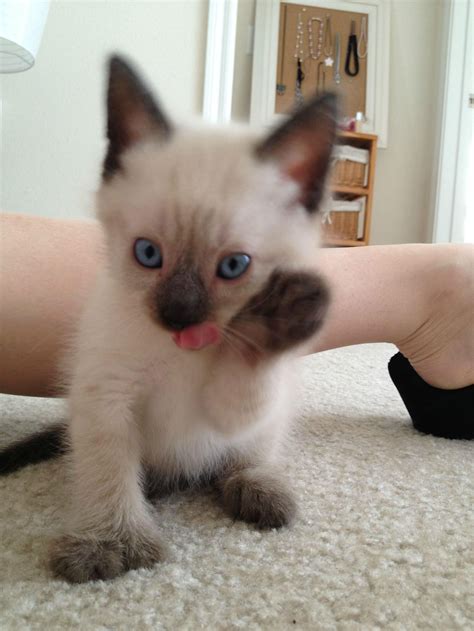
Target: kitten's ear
302,147
132,113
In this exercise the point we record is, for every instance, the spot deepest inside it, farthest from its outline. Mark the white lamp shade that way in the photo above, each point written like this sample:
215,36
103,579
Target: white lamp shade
21,28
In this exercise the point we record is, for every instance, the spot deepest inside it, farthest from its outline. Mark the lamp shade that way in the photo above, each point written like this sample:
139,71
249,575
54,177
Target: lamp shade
21,27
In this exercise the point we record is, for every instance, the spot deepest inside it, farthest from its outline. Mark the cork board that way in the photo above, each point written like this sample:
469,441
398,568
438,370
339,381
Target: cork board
317,75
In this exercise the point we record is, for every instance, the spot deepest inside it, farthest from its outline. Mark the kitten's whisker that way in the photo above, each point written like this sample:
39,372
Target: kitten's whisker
233,342
241,337
228,339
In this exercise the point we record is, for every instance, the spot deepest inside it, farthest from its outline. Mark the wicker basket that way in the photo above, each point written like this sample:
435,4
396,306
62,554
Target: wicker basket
344,225
349,173
350,166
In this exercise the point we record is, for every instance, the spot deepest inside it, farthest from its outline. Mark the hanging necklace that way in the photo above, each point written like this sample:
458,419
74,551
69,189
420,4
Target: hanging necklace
328,42
337,67
299,55
352,53
362,38
312,54
299,44
321,78
299,80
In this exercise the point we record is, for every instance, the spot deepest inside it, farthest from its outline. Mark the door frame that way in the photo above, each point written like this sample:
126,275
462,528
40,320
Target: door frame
448,206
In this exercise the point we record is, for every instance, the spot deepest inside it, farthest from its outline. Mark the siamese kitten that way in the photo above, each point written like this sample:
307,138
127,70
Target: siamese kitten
182,362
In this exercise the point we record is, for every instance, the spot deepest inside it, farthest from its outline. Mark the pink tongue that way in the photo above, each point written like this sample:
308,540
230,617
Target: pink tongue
197,336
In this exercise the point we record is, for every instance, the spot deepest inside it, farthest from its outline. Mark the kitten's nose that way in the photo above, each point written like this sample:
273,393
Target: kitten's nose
177,326
178,315
183,300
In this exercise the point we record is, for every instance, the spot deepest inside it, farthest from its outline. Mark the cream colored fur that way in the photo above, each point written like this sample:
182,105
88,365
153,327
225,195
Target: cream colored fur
135,398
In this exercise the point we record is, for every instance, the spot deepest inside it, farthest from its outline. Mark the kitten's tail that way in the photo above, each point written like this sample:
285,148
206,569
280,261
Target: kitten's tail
44,445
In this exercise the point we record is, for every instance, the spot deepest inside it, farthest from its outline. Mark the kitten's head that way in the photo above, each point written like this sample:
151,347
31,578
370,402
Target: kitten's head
208,227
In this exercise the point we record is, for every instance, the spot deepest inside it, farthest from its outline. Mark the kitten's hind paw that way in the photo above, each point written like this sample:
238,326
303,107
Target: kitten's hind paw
258,496
79,559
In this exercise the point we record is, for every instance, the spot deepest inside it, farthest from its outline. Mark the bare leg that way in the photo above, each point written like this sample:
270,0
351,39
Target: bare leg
419,297
47,267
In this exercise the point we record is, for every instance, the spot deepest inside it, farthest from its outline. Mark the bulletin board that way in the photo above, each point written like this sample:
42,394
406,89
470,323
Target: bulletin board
321,49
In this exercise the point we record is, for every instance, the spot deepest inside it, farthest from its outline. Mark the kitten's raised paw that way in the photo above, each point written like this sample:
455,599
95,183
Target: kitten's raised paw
258,497
288,310
79,559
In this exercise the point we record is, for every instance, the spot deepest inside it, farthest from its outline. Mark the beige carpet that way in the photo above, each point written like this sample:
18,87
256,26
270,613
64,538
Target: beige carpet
384,540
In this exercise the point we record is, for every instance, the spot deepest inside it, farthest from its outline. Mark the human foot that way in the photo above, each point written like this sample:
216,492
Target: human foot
441,348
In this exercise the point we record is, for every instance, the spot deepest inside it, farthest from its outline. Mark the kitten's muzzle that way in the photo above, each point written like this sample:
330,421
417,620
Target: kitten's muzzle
183,300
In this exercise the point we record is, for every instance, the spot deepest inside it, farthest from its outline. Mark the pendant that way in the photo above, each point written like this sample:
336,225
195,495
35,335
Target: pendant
329,61
299,98
281,89
299,80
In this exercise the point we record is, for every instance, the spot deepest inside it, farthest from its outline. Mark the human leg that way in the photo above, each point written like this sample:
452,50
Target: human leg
419,297
47,268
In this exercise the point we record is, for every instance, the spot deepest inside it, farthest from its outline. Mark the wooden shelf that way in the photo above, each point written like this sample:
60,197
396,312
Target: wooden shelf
360,191
331,242
332,236
357,136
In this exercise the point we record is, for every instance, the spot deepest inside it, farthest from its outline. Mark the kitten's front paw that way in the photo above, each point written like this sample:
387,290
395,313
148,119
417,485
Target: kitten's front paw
258,497
79,559
288,310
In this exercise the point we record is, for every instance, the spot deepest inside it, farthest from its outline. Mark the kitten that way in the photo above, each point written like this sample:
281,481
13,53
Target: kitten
182,363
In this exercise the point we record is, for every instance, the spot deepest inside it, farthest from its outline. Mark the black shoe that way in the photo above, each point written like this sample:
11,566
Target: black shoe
445,413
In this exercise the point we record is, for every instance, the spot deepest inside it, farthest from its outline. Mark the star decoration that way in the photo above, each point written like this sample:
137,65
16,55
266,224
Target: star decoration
329,61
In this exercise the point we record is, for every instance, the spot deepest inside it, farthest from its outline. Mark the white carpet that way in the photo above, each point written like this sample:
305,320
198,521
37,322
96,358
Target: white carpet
384,539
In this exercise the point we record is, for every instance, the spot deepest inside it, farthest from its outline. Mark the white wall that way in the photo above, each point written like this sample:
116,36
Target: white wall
53,119
401,210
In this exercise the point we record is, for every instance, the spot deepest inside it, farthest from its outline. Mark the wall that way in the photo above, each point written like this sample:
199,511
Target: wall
53,118
53,122
401,210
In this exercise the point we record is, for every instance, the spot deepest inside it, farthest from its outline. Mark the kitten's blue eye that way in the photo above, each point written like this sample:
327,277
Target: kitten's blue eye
147,253
233,266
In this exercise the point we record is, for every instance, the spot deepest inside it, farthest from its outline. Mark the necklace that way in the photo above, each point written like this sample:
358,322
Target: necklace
321,78
299,56
312,54
337,67
362,38
299,44
352,53
299,80
328,42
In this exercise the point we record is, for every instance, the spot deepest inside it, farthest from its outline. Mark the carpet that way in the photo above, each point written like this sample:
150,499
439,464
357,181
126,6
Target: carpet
384,538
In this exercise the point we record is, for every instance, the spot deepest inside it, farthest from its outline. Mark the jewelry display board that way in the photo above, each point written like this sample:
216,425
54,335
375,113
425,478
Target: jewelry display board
367,91
321,49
